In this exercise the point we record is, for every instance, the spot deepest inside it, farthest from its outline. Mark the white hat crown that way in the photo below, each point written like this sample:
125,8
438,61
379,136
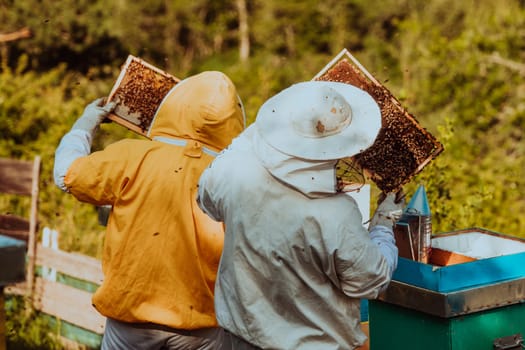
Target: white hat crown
324,113
320,120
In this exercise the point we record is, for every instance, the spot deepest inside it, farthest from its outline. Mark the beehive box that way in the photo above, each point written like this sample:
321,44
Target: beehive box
467,305
403,147
12,261
138,93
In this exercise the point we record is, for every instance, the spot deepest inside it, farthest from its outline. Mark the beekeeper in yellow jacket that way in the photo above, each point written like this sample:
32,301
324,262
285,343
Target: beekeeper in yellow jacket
161,252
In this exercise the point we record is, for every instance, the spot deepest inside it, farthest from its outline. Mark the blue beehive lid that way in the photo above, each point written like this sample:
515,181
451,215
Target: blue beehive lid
498,258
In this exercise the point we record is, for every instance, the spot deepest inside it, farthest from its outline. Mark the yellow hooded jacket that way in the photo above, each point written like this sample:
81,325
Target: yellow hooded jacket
161,252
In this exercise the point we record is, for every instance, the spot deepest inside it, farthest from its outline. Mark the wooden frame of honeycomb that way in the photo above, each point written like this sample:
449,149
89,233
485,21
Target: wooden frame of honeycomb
138,92
403,147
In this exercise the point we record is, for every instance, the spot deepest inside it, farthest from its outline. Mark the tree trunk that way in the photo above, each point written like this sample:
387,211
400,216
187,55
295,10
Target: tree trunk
244,34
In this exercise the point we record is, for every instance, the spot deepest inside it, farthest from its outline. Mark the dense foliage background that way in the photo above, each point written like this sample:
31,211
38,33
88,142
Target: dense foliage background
458,66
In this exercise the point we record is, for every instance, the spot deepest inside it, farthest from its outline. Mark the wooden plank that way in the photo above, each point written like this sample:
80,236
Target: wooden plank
16,289
33,222
127,124
73,264
68,304
16,176
68,344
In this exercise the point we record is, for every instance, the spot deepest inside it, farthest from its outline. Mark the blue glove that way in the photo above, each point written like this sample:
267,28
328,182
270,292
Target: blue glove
93,115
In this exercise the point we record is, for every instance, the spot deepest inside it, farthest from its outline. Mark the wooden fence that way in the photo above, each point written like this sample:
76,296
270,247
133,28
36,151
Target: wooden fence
63,287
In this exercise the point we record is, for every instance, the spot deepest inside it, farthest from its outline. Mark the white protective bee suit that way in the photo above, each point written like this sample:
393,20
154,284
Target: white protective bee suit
297,258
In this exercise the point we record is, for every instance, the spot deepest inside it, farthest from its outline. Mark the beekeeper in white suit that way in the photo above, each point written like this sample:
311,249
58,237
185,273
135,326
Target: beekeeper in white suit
297,258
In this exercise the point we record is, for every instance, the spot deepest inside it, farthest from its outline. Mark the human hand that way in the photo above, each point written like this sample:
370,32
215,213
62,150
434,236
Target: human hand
93,115
389,209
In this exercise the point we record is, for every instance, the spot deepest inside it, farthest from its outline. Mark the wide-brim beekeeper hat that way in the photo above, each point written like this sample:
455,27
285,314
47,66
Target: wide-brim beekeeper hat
320,120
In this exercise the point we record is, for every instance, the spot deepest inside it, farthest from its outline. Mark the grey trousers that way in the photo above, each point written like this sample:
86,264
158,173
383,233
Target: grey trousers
130,336
233,342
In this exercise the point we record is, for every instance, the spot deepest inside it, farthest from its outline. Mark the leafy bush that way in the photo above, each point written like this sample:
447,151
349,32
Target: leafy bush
27,331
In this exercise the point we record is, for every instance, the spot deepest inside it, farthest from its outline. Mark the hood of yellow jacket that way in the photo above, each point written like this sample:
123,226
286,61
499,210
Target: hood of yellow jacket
204,107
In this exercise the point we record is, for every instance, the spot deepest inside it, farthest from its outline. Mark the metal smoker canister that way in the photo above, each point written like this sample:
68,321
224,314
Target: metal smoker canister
413,231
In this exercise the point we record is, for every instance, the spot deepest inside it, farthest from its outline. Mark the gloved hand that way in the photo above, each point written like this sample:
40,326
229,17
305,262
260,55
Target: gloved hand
93,115
389,209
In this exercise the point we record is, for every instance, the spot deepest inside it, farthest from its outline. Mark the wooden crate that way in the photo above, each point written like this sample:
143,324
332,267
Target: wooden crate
403,147
138,93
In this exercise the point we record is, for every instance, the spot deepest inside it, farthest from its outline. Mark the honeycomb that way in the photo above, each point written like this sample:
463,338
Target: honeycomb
402,148
138,93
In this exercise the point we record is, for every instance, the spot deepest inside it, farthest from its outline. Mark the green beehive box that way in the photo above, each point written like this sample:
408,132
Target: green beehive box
472,305
396,327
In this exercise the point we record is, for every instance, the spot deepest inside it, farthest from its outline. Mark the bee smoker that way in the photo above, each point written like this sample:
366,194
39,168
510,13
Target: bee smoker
413,230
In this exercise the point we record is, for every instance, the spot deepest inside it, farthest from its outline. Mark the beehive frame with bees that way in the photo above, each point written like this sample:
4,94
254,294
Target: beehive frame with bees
138,93
403,147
